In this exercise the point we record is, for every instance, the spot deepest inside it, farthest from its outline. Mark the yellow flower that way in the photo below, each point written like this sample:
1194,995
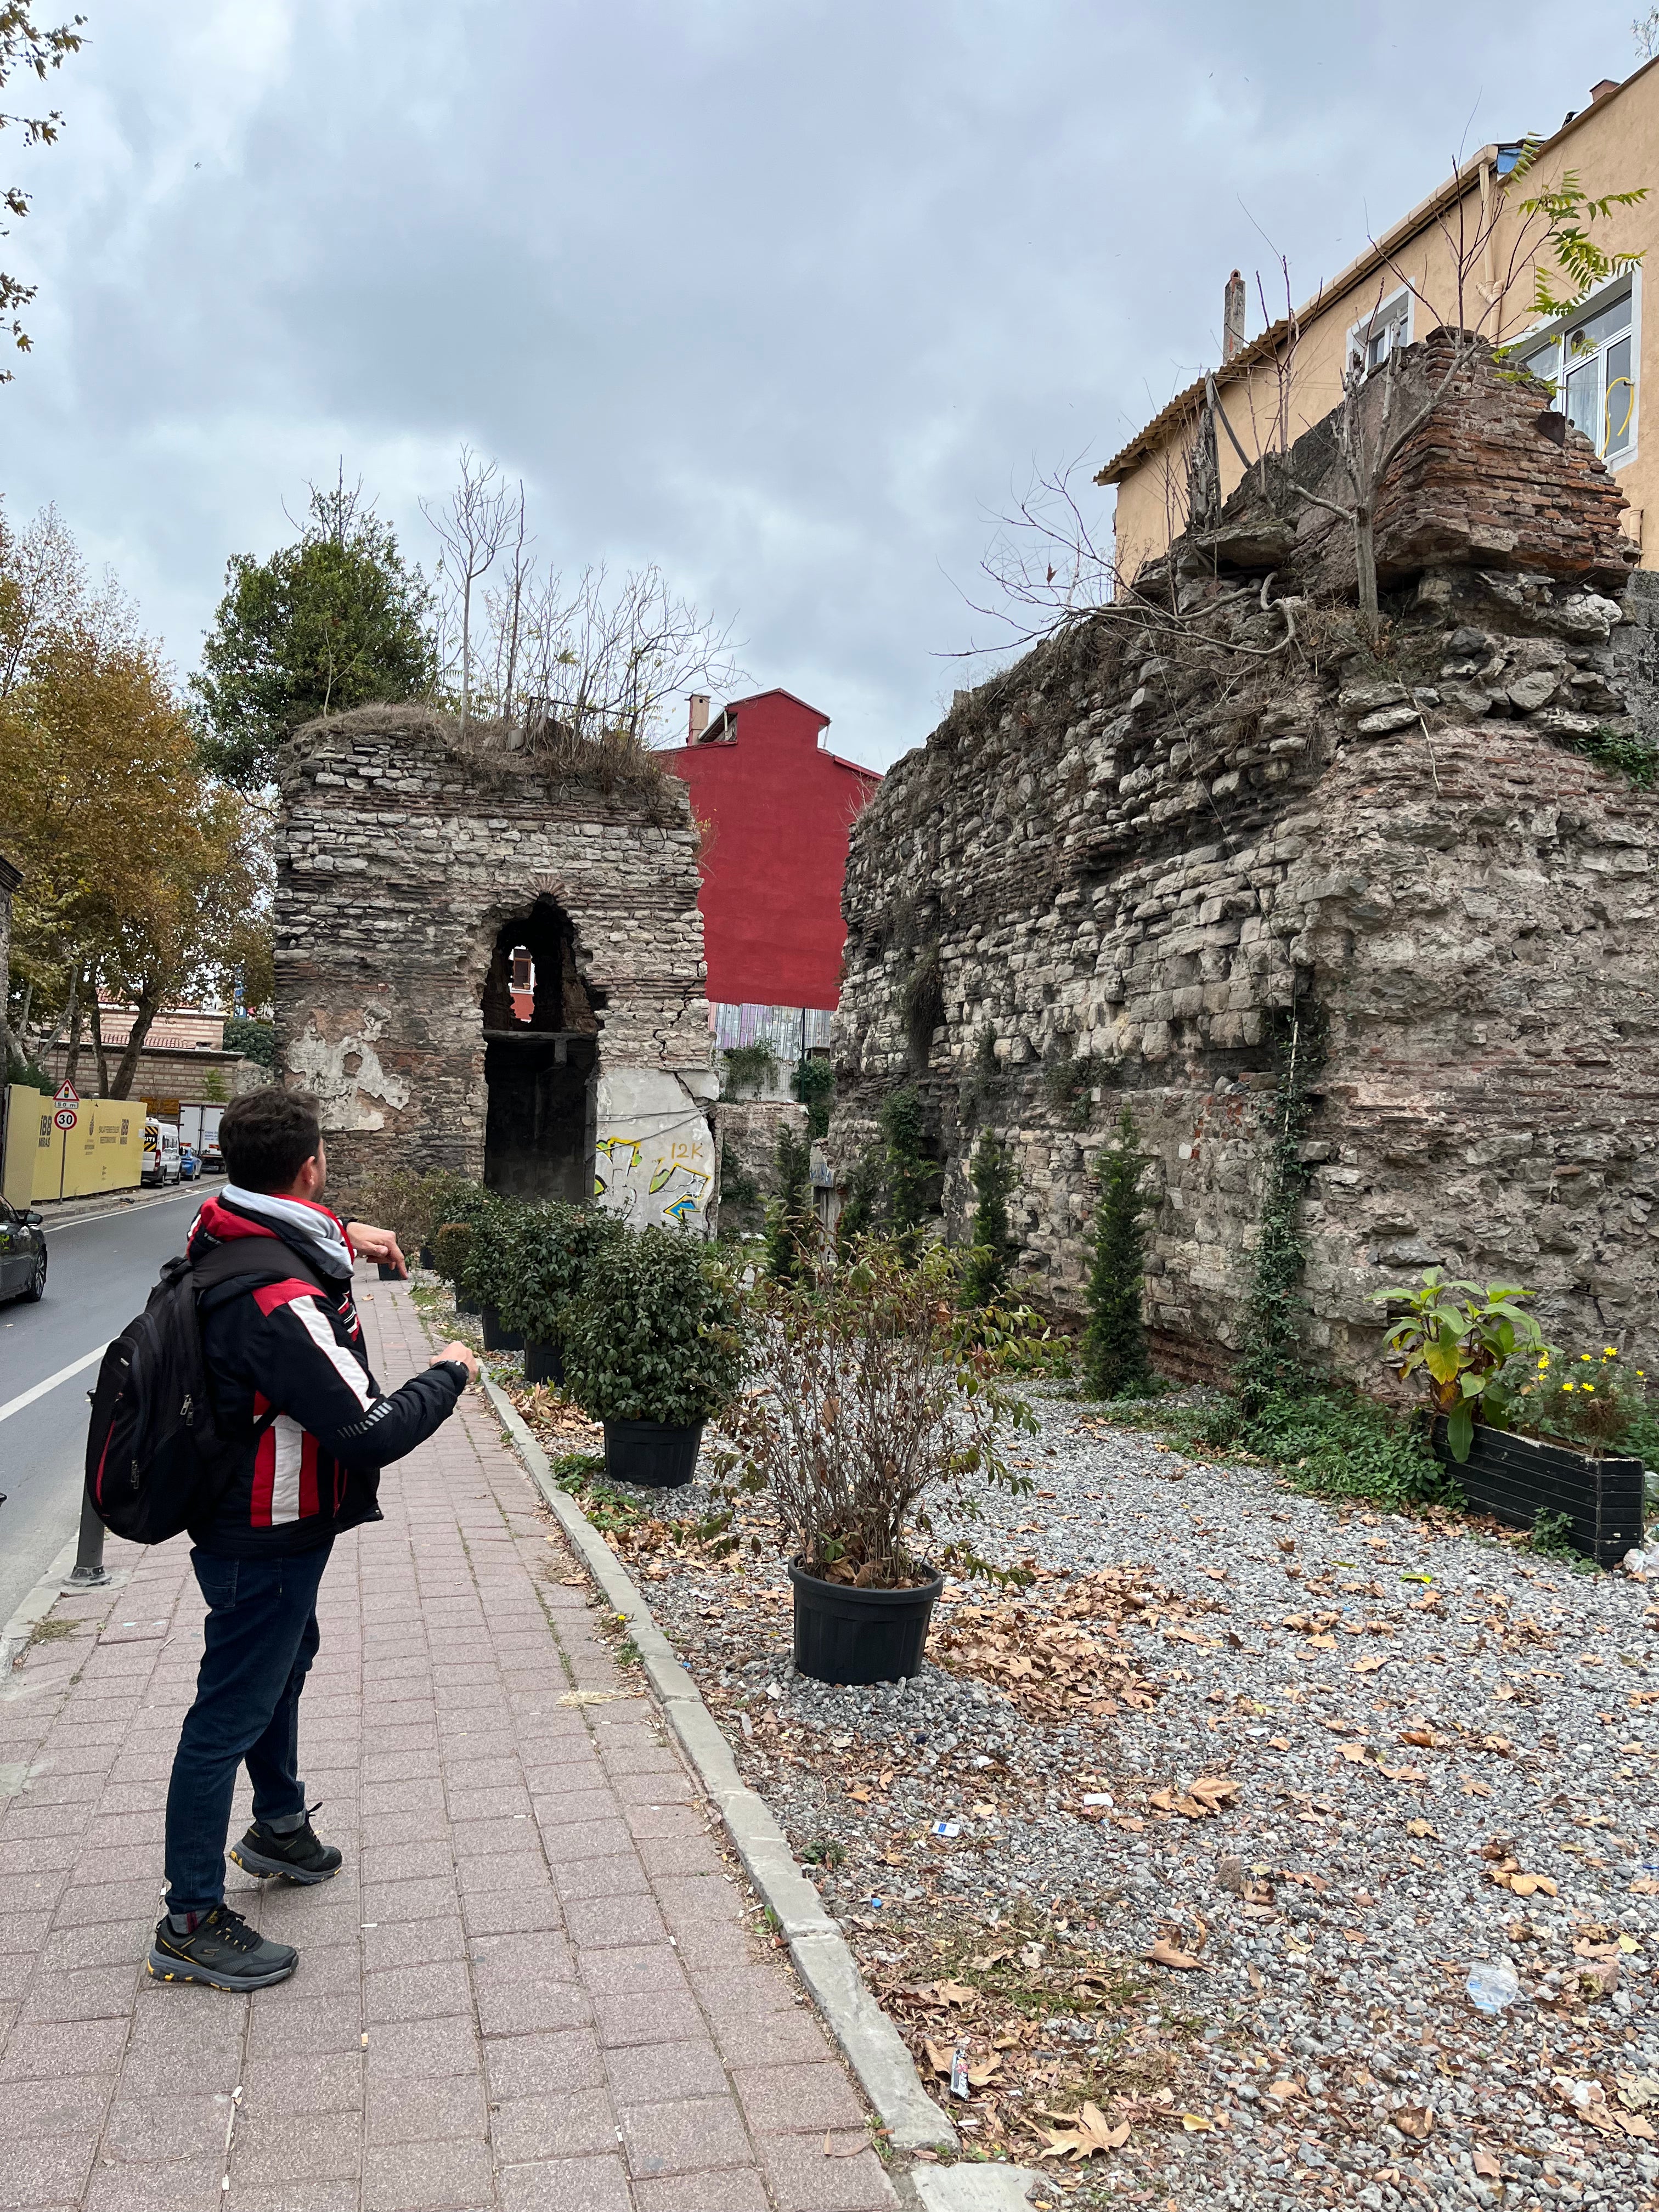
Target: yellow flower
1589,1390
1543,1362
1571,1386
1610,1352
1584,1356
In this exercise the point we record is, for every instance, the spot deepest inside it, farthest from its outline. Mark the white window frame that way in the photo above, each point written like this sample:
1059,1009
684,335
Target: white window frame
1553,330
1399,310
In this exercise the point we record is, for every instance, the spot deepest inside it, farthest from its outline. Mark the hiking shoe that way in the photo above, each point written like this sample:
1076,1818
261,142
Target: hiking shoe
301,1857
220,1950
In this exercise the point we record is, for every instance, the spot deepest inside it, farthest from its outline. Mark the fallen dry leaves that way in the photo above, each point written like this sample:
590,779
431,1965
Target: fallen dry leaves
1163,1953
1052,1654
1206,1797
1086,2133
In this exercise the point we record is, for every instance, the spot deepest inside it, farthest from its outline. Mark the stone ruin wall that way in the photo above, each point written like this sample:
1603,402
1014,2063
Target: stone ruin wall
1130,854
401,853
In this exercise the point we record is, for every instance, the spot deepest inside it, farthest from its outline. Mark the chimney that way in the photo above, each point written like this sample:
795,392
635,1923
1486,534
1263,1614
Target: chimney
699,721
1232,317
1601,91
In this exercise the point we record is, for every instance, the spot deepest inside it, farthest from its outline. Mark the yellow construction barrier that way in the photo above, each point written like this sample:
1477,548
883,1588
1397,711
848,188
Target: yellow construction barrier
104,1150
29,1125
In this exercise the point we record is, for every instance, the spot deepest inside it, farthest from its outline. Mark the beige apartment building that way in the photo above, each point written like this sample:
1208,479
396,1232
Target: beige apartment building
1465,256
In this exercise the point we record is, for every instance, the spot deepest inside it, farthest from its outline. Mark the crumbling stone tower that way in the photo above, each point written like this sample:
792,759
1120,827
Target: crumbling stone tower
487,963
1119,869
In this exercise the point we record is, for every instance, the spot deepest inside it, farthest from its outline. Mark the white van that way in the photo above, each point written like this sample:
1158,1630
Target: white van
161,1151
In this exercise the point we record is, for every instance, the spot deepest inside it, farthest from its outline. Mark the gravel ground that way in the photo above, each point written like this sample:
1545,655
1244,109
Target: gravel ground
1331,1759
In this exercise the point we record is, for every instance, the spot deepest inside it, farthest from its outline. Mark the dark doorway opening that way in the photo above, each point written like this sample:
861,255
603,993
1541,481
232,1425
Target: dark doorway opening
541,1027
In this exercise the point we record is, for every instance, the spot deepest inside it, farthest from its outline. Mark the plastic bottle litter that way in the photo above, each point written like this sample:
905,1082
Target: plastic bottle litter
1493,1986
1639,1564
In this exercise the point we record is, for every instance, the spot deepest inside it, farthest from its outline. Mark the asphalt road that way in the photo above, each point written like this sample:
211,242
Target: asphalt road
100,1269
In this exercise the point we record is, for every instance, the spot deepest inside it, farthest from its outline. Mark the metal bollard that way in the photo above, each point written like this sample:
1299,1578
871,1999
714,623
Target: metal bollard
90,1570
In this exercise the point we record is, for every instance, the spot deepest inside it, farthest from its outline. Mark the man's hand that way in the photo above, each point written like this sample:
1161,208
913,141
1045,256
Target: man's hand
380,1244
463,1354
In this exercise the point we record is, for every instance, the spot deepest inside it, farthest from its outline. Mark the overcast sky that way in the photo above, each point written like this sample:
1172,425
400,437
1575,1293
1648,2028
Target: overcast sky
786,295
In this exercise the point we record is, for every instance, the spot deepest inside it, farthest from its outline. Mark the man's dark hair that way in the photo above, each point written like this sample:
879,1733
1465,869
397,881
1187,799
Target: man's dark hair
268,1136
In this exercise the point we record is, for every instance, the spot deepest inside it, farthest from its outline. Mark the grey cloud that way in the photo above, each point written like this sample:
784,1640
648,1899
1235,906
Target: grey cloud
784,297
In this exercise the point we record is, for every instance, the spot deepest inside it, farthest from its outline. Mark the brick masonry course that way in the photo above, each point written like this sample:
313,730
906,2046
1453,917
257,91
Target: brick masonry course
402,851
1127,858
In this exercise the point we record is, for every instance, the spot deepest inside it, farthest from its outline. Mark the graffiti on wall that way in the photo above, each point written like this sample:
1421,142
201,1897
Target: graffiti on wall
653,1156
646,1179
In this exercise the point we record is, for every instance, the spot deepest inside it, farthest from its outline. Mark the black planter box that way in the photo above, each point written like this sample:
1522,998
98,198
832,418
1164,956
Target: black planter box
1516,1478
649,1454
389,1274
847,1635
497,1339
544,1363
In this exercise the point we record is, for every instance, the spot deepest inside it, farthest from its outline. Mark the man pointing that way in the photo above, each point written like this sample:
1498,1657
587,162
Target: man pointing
285,1361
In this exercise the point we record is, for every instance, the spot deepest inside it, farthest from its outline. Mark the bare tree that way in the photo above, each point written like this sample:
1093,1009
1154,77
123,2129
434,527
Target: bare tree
473,524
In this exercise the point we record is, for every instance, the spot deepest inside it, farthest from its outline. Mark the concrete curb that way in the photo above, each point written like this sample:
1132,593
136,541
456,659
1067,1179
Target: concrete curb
869,2039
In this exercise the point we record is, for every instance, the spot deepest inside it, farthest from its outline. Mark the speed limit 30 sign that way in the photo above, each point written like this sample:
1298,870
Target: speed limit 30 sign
65,1117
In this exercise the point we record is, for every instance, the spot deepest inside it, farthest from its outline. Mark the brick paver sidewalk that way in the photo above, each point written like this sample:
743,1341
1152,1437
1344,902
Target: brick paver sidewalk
532,1985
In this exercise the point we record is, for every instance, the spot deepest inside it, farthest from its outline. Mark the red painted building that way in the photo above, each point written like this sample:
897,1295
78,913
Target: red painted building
780,807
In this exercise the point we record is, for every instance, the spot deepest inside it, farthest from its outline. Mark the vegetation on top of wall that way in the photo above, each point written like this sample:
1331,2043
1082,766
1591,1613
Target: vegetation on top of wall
748,1067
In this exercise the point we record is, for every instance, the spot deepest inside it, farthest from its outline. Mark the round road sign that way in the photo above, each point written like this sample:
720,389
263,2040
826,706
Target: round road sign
65,1117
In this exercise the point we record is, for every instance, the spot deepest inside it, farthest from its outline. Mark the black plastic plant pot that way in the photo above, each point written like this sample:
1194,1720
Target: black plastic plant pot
497,1339
1516,1478
426,1256
847,1635
464,1305
544,1363
387,1274
650,1454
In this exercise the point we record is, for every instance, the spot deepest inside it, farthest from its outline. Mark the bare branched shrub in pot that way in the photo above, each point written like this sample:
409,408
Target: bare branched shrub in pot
871,1426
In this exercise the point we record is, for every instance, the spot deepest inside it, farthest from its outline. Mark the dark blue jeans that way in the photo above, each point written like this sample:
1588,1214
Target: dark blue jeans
260,1639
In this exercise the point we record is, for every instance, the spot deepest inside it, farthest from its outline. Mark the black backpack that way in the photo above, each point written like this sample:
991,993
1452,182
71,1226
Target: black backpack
157,1456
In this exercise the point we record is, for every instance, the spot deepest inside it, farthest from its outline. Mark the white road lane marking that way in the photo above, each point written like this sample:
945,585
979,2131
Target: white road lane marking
27,1397
119,1212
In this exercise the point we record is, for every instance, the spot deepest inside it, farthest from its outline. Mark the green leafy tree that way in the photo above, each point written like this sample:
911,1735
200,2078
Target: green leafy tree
991,1257
26,47
334,622
790,1222
913,1176
1114,1362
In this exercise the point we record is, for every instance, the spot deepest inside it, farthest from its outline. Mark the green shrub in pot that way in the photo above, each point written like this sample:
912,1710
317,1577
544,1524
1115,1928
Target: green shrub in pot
451,1246
491,1260
655,1335
554,1249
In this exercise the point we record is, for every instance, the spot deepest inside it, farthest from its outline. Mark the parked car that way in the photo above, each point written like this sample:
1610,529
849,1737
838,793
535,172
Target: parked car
161,1152
189,1166
22,1255
212,1160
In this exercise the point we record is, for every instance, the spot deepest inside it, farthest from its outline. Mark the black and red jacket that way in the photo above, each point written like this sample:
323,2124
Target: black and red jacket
286,1367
